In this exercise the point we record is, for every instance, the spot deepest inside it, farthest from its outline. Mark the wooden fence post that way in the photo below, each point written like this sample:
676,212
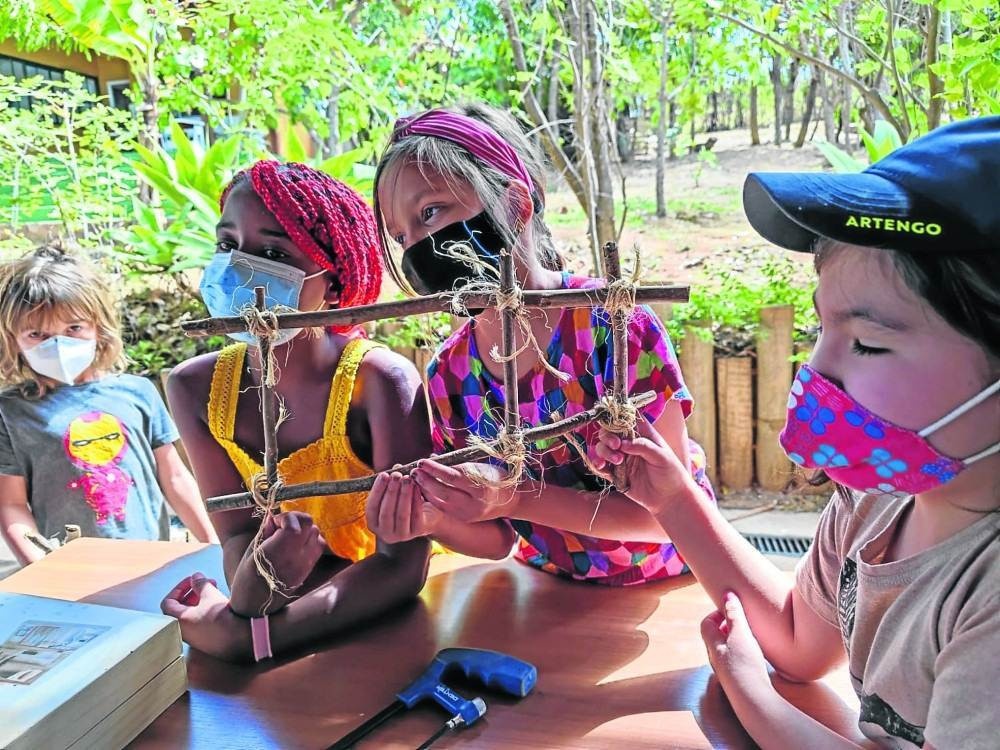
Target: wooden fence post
734,389
774,377
697,360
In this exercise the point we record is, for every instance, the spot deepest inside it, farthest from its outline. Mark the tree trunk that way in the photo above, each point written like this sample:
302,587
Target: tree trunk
600,133
776,85
754,124
672,124
788,98
807,114
149,135
331,147
713,121
661,126
826,92
846,61
552,96
934,83
547,128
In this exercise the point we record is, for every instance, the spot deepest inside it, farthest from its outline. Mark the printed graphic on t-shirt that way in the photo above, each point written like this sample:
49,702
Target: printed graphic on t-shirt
847,600
95,443
876,711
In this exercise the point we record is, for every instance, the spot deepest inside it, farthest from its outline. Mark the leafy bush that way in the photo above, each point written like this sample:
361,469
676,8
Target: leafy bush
415,331
65,160
179,233
153,338
725,306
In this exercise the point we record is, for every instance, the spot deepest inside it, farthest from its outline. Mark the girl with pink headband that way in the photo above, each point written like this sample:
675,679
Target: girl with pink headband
471,176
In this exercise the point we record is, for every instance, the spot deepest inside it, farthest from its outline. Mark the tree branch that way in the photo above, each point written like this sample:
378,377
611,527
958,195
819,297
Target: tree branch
870,95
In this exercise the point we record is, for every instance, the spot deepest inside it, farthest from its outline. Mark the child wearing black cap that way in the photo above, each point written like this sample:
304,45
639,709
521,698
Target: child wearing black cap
899,406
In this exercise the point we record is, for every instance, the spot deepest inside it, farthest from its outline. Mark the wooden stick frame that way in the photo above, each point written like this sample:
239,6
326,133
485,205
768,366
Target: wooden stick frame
511,429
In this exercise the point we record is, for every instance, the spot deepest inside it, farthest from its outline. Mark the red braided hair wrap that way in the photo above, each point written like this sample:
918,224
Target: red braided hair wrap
326,220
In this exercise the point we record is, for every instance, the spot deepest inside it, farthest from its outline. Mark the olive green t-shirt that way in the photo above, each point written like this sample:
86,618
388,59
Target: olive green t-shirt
922,634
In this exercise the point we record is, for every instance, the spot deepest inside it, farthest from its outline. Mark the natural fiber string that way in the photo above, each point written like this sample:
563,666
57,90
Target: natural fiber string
620,416
265,501
509,447
487,281
264,324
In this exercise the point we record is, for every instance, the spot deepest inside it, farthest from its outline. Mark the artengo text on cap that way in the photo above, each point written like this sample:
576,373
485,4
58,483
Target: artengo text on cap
893,225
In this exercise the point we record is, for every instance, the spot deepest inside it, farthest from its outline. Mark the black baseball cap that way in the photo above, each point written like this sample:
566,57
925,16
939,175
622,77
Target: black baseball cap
938,194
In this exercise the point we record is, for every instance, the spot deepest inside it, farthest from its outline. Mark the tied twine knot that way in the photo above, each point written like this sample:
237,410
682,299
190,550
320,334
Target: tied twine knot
509,447
617,416
263,324
265,501
485,280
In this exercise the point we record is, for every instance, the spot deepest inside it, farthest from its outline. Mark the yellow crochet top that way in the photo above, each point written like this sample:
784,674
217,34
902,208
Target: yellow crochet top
341,519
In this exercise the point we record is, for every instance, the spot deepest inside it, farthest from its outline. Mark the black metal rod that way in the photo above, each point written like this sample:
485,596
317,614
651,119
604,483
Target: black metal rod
436,736
349,740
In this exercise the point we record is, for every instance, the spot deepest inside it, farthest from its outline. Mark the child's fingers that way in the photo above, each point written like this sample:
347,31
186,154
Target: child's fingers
735,616
430,516
375,499
447,474
605,451
654,453
173,608
710,630
387,513
436,490
404,517
270,525
182,589
416,501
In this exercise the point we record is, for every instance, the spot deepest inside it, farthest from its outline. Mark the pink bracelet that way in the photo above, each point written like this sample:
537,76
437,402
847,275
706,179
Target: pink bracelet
260,635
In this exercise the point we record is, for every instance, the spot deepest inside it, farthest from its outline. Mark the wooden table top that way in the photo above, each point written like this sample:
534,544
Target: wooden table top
617,667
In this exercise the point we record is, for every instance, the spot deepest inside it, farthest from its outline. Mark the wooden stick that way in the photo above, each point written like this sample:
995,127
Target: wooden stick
268,402
511,417
619,347
464,455
543,299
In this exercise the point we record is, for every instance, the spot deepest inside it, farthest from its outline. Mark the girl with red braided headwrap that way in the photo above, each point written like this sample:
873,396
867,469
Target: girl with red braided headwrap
355,407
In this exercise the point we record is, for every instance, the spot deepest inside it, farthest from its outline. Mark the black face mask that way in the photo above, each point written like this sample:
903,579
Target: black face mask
433,265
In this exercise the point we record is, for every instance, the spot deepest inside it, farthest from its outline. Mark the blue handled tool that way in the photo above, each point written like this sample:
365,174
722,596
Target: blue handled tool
499,671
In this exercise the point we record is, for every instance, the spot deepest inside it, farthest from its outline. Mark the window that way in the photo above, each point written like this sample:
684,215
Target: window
21,69
118,94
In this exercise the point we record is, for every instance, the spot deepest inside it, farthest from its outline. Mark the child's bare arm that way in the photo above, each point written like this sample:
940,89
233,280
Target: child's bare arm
187,394
16,520
182,493
797,642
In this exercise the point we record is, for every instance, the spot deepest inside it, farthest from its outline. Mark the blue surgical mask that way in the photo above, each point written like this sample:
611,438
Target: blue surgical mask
228,282
62,358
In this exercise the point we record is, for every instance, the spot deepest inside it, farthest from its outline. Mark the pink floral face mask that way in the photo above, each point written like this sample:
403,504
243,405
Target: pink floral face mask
827,429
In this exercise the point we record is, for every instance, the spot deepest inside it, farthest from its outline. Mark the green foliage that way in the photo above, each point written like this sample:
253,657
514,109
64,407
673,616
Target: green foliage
415,331
179,233
65,160
153,338
882,141
840,160
725,306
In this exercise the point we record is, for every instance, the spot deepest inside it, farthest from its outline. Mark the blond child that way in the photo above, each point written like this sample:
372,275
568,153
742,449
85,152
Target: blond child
80,442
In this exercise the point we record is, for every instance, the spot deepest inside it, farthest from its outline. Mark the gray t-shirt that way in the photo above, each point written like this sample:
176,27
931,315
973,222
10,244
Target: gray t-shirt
922,633
86,453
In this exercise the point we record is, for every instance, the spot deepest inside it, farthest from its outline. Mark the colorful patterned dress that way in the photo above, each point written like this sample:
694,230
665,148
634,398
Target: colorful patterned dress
467,400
